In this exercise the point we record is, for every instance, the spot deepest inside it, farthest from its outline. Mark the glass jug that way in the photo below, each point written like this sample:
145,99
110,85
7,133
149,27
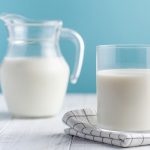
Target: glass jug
34,75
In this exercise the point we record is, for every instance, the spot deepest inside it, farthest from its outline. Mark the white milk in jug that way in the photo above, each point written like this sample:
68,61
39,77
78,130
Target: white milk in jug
34,86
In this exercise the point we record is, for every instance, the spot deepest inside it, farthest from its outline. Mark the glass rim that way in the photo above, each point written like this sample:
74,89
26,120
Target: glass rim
123,46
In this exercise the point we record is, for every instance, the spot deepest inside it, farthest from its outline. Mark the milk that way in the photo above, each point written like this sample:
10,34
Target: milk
123,99
34,87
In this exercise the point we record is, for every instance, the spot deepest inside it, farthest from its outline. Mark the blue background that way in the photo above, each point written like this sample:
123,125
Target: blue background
98,21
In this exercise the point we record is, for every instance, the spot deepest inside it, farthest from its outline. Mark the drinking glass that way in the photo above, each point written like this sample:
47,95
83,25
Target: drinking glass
123,87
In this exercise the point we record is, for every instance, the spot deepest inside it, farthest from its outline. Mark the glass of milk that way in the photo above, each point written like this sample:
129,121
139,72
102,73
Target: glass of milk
123,87
34,74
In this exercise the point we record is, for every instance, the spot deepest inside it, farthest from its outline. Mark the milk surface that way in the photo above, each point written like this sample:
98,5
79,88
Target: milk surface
123,99
34,87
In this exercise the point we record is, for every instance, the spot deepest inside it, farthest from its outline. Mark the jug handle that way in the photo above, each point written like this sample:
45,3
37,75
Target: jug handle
78,41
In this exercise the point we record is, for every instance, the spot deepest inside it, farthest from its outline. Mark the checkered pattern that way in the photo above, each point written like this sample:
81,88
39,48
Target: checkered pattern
82,123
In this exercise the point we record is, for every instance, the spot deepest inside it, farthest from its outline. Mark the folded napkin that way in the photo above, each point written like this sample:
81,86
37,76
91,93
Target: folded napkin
82,123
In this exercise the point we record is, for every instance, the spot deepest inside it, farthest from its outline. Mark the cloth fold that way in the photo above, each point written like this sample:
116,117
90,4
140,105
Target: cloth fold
82,123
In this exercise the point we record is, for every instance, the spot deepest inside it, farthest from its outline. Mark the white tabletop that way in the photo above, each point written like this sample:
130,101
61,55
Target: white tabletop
47,133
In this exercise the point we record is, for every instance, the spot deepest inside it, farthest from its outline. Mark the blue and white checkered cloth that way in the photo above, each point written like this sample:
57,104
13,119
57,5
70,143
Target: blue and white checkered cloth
82,123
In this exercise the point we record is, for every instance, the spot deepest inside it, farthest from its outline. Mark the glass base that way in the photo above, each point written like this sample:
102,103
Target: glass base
109,128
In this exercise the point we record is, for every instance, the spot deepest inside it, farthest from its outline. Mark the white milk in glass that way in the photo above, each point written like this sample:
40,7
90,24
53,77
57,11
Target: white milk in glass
123,99
34,86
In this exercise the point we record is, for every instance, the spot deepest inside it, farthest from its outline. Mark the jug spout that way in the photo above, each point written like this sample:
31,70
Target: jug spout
24,29
12,18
